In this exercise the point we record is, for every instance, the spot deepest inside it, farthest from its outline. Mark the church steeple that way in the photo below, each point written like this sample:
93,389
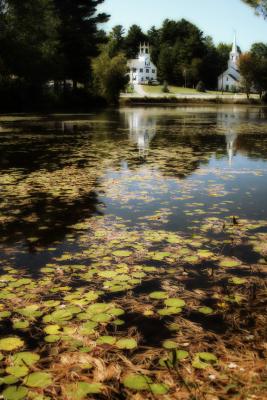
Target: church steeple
234,55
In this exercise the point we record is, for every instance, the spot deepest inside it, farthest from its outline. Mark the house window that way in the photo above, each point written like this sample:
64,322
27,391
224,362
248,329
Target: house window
134,69
147,78
141,70
147,71
153,71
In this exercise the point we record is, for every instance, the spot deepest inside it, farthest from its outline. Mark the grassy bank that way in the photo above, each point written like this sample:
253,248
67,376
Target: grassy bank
173,100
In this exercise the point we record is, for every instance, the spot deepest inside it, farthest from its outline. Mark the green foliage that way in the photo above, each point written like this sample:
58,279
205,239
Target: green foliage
200,87
110,75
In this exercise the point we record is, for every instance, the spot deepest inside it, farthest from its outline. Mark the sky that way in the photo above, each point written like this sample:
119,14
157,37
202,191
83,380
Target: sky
216,18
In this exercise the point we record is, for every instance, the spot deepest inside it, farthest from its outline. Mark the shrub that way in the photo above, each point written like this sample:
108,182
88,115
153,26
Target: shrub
200,87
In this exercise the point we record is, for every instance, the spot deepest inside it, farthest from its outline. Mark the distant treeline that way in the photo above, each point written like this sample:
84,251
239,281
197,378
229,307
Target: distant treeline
54,54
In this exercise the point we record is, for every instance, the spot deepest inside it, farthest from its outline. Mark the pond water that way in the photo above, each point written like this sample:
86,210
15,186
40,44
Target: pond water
133,253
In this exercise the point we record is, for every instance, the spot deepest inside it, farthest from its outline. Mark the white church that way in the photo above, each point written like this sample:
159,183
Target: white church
230,80
141,69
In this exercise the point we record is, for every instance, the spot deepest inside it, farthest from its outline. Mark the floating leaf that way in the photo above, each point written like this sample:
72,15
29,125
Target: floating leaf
175,302
80,390
205,310
229,263
128,344
11,343
18,371
122,253
26,357
15,393
38,380
238,281
137,382
159,388
106,340
170,344
158,295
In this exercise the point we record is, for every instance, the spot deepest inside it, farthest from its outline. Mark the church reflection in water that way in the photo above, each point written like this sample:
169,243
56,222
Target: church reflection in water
142,129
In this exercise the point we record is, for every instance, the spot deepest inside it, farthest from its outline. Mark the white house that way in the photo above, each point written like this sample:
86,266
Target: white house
141,69
230,79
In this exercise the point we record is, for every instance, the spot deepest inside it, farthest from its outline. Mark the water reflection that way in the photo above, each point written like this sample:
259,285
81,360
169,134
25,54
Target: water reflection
60,170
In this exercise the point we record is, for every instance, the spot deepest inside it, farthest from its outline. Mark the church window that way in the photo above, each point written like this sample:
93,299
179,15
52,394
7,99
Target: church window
153,71
147,71
134,69
141,70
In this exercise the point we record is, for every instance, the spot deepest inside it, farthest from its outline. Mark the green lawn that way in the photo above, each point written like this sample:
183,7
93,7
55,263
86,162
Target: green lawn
177,90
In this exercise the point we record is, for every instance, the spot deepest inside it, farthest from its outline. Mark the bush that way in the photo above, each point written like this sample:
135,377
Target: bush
264,98
200,87
165,88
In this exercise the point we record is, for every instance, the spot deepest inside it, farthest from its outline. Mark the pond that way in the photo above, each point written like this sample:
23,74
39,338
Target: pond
133,250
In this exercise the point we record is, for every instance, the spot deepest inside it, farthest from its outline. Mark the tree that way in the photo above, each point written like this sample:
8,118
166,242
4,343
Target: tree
247,70
134,37
29,39
116,40
259,5
110,75
259,50
79,36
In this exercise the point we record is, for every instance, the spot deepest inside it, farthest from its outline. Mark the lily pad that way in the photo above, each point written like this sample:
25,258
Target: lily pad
38,380
137,382
159,388
15,393
158,295
205,310
127,344
170,344
11,343
175,302
106,340
80,390
26,357
18,371
122,253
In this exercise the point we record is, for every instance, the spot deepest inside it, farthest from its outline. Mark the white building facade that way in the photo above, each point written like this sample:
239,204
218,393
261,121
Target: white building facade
141,69
230,80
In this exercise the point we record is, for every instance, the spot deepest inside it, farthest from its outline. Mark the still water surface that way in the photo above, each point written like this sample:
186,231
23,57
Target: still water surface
123,204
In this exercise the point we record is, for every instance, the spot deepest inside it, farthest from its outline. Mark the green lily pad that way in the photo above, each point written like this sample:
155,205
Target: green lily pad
80,390
122,253
205,310
175,302
111,340
159,388
128,344
38,380
137,382
19,324
229,263
169,311
52,329
18,371
11,343
52,338
26,357
101,317
15,393
170,344
238,281
204,360
158,295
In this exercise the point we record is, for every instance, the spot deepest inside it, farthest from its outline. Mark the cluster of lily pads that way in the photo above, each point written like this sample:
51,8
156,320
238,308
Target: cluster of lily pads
75,309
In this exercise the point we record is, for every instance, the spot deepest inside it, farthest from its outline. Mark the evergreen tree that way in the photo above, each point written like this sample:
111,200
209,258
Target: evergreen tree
29,39
79,36
134,37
